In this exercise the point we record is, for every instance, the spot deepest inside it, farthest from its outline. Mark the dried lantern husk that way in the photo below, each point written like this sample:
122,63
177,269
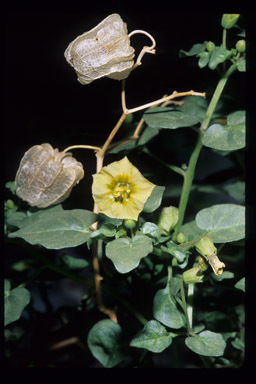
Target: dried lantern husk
46,176
103,51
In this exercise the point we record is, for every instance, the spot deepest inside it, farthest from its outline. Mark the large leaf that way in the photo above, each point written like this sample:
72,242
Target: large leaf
15,300
166,117
207,343
154,200
165,309
57,229
229,137
105,343
126,253
222,222
153,337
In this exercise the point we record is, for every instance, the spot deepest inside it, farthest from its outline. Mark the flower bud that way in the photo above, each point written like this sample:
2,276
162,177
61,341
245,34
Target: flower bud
181,238
193,275
210,46
229,19
129,223
240,46
205,247
168,218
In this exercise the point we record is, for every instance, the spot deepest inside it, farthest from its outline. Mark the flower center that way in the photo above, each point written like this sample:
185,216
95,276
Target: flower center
122,192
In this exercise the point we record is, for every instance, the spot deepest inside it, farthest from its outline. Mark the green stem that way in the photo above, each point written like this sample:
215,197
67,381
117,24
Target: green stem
190,303
189,174
183,298
224,39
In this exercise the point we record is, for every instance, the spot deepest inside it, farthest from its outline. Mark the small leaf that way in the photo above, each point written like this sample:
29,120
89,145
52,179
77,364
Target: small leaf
241,284
126,253
151,230
223,222
195,50
154,200
204,59
165,309
176,251
57,229
207,343
11,186
16,219
236,190
15,300
241,66
166,117
223,276
152,337
236,118
238,344
225,138
74,262
219,55
105,343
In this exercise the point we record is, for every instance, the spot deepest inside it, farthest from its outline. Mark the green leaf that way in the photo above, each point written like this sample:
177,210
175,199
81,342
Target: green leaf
241,66
236,118
126,253
222,222
165,309
166,117
151,230
155,199
105,343
15,300
11,186
219,55
225,275
147,135
241,284
225,138
195,106
236,190
191,231
207,343
16,219
74,262
204,59
195,50
176,251
57,229
238,344
152,337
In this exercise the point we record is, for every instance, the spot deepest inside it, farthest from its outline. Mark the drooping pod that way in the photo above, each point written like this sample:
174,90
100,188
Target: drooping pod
46,176
103,51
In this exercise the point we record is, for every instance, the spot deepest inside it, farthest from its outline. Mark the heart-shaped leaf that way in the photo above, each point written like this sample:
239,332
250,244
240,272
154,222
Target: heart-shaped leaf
126,253
207,343
153,337
165,309
105,343
15,300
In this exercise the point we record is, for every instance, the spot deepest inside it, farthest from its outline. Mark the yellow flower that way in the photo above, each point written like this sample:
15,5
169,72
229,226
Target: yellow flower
120,191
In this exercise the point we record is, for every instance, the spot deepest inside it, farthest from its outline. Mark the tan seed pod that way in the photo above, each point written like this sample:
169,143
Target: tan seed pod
103,51
46,176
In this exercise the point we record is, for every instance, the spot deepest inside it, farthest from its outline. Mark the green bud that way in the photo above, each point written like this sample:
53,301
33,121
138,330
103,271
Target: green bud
130,224
193,276
210,46
240,45
168,218
174,262
229,19
206,247
129,118
181,238
9,204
